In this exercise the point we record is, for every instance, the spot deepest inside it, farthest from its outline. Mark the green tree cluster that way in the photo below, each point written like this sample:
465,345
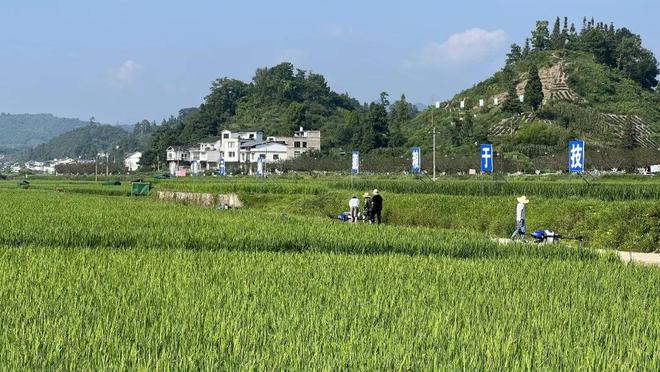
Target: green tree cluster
616,48
534,89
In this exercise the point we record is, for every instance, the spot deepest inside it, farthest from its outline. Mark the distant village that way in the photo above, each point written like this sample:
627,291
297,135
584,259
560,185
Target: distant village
230,149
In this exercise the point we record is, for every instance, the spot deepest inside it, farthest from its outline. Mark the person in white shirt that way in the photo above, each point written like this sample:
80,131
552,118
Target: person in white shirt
521,228
354,205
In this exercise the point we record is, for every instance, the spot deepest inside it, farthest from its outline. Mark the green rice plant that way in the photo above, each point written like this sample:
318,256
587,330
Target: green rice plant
626,225
73,220
136,309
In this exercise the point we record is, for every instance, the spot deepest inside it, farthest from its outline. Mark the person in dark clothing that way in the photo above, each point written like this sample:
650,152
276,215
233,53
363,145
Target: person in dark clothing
376,207
367,208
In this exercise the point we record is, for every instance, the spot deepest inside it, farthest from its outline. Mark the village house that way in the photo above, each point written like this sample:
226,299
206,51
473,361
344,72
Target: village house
132,161
244,147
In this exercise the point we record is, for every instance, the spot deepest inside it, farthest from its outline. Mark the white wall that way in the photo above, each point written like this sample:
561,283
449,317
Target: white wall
132,161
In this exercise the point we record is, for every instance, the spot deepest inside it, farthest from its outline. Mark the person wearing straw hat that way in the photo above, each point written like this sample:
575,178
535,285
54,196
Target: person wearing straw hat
521,228
377,207
368,206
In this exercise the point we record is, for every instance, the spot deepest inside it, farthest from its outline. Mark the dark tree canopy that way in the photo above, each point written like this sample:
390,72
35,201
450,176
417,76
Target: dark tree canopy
534,89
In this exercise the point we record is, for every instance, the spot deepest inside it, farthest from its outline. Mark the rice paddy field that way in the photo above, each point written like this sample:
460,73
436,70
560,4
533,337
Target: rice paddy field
91,278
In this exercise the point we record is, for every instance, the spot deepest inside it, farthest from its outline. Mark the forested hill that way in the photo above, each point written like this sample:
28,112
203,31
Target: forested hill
598,83
280,99
31,129
92,139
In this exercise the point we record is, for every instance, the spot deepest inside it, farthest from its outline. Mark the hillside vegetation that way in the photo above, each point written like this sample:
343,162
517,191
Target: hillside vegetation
31,129
598,84
92,139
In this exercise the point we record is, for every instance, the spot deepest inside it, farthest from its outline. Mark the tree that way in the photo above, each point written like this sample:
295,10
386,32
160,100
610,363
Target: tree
384,99
296,115
596,42
556,39
514,55
541,36
350,133
400,115
378,121
534,89
526,49
645,71
368,139
512,104
633,60
572,36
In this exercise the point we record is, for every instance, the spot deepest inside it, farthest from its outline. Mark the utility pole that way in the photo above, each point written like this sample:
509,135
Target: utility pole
436,105
96,168
107,173
433,152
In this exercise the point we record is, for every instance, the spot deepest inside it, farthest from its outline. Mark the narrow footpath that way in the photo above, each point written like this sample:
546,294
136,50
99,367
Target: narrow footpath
635,257
643,258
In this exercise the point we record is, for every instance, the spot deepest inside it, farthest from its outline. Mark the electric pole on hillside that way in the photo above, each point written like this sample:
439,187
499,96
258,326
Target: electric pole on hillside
437,105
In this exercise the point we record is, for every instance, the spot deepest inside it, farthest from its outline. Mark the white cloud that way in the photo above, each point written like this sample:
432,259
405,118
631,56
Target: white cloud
469,46
127,71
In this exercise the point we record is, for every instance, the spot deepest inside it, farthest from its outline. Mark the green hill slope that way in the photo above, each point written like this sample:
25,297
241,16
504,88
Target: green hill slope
598,84
32,129
582,97
83,142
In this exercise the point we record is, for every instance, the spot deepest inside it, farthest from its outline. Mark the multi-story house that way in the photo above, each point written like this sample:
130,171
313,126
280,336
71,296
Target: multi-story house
245,147
301,142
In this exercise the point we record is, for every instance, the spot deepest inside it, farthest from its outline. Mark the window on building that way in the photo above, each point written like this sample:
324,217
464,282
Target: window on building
232,154
231,145
252,156
296,144
225,135
276,156
296,154
251,135
304,145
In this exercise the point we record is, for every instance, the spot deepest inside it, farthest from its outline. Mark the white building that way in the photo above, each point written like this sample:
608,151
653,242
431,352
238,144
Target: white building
301,142
271,152
244,147
132,161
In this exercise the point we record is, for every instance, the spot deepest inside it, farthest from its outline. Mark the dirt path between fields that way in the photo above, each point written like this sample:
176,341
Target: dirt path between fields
635,257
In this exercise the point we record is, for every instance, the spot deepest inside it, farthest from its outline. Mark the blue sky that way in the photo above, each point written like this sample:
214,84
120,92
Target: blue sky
123,61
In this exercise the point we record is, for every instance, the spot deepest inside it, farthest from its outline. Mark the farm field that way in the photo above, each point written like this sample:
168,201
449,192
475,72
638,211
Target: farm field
198,309
610,213
93,279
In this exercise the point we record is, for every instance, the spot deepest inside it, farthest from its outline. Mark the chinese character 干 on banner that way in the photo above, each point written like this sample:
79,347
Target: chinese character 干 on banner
487,157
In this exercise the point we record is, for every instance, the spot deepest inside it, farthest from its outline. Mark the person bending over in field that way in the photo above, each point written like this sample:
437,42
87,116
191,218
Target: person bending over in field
377,207
519,232
354,205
